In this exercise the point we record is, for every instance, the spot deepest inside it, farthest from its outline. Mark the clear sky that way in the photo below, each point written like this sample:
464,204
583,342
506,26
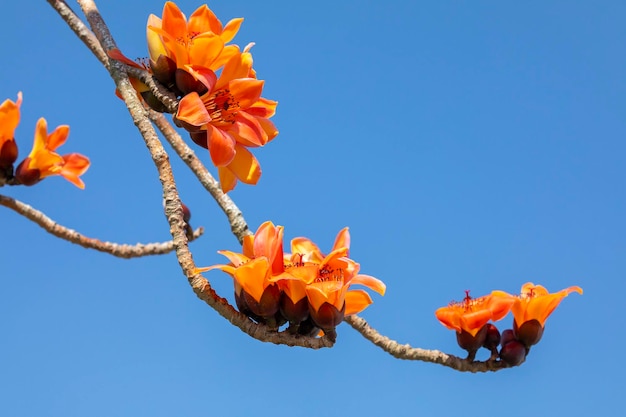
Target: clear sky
467,145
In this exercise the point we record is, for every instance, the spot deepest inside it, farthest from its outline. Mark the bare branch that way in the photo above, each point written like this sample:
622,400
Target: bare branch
115,249
416,354
173,208
80,29
238,224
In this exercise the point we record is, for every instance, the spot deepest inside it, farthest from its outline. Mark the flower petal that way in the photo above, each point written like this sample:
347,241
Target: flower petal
237,259
357,301
74,165
191,110
205,49
310,251
58,137
174,21
231,29
253,276
343,239
246,91
245,166
221,146
228,181
370,282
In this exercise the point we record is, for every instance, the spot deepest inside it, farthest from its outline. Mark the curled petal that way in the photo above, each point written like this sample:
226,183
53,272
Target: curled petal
357,301
370,282
235,258
191,110
74,165
449,318
229,269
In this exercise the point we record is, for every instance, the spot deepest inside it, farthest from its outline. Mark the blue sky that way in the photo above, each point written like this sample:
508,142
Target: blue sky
467,145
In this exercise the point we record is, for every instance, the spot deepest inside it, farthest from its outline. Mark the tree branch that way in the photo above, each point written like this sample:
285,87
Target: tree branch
238,224
173,208
416,354
80,29
115,249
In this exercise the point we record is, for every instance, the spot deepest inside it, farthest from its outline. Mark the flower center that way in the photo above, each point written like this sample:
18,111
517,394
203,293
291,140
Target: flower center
468,304
328,274
222,107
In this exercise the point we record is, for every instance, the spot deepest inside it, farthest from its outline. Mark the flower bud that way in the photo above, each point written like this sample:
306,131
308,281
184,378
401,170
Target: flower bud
513,353
507,336
492,338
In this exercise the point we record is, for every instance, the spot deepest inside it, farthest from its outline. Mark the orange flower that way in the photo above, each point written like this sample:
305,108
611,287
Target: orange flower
175,42
251,270
472,314
327,279
197,41
536,303
229,117
9,119
44,162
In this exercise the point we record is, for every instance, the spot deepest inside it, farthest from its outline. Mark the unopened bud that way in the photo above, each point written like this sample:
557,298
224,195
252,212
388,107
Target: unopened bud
513,353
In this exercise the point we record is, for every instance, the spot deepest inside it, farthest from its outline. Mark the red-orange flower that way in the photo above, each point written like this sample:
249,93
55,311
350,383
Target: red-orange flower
252,270
229,117
43,161
472,314
184,53
197,41
326,280
180,48
536,303
9,119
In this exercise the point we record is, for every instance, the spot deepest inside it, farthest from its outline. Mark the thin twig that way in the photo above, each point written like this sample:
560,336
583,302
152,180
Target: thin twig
115,249
173,208
416,354
238,224
80,29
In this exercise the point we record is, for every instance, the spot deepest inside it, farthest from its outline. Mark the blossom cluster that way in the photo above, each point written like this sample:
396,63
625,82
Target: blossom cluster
43,161
306,288
470,318
223,113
